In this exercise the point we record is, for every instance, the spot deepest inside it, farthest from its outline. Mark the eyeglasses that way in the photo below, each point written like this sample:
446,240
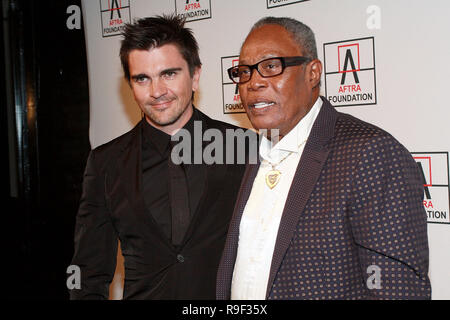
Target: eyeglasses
266,68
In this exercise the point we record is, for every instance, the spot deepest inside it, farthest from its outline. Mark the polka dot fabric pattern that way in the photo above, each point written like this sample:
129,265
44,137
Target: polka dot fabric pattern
354,226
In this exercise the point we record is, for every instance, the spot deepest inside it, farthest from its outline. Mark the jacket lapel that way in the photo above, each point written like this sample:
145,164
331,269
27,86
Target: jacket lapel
129,167
308,171
211,175
128,171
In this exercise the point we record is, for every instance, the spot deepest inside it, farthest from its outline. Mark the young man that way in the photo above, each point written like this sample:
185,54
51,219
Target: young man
171,219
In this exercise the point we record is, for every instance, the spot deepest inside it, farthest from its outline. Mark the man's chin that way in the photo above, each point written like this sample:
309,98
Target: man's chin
267,130
261,125
164,119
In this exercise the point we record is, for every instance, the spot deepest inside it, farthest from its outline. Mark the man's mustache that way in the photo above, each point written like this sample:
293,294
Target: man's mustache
161,100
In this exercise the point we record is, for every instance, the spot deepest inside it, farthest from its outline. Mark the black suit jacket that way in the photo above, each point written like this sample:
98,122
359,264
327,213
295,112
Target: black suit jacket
112,207
353,226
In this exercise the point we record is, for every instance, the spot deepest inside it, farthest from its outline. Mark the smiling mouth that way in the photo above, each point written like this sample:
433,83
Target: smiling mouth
161,104
261,105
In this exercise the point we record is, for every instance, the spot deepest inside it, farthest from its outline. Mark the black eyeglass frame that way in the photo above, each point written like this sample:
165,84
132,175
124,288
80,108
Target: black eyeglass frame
285,62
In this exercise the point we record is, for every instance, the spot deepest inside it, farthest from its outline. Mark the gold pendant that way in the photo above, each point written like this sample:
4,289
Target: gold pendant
272,178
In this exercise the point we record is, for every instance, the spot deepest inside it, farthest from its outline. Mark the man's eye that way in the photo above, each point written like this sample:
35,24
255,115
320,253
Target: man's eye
140,79
270,66
169,74
243,71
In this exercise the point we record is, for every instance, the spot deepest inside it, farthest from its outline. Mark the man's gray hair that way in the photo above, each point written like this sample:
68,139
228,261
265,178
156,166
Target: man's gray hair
301,33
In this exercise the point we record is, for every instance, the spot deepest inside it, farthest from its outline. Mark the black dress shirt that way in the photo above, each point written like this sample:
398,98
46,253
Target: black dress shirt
127,200
155,154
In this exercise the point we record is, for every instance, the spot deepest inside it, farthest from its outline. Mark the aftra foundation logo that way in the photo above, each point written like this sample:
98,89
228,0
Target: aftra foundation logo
434,170
230,93
279,3
114,14
193,10
350,72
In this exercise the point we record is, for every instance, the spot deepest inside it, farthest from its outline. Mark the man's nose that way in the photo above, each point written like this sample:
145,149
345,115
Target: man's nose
256,81
158,88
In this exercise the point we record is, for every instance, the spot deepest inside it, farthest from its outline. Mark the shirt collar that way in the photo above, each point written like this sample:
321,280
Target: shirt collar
290,142
161,140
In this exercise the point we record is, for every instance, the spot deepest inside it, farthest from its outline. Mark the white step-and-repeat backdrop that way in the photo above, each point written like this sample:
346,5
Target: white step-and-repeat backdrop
400,50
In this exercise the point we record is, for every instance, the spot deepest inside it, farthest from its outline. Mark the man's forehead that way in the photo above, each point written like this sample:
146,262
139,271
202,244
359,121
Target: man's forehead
166,48
267,41
162,56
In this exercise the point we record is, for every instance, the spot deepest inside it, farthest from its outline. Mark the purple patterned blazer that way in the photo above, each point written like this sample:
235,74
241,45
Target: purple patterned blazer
355,206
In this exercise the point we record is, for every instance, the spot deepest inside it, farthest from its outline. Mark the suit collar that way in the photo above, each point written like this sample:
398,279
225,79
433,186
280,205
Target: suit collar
311,163
161,140
128,173
323,128
308,171
154,138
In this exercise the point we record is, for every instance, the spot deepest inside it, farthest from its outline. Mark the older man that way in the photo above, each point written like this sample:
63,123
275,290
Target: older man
334,209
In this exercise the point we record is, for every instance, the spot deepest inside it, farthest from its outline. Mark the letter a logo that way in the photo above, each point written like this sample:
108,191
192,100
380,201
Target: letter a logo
115,7
74,280
374,280
424,180
349,58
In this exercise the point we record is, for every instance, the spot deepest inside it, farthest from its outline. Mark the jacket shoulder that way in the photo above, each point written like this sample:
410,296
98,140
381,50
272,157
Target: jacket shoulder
217,124
356,134
111,148
350,127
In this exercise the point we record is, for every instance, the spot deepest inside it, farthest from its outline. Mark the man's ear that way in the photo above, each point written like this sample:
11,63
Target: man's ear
196,78
314,72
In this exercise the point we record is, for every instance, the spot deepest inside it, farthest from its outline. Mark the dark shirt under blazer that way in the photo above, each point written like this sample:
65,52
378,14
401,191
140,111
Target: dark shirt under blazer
355,202
112,207
155,155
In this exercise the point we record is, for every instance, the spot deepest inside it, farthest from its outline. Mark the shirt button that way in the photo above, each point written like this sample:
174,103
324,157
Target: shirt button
180,258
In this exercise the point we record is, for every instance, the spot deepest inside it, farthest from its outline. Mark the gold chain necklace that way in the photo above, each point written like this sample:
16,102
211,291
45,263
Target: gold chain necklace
274,175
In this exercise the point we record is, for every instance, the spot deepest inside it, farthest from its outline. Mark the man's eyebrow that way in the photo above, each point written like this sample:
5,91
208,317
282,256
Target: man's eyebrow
165,71
170,70
264,57
140,75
